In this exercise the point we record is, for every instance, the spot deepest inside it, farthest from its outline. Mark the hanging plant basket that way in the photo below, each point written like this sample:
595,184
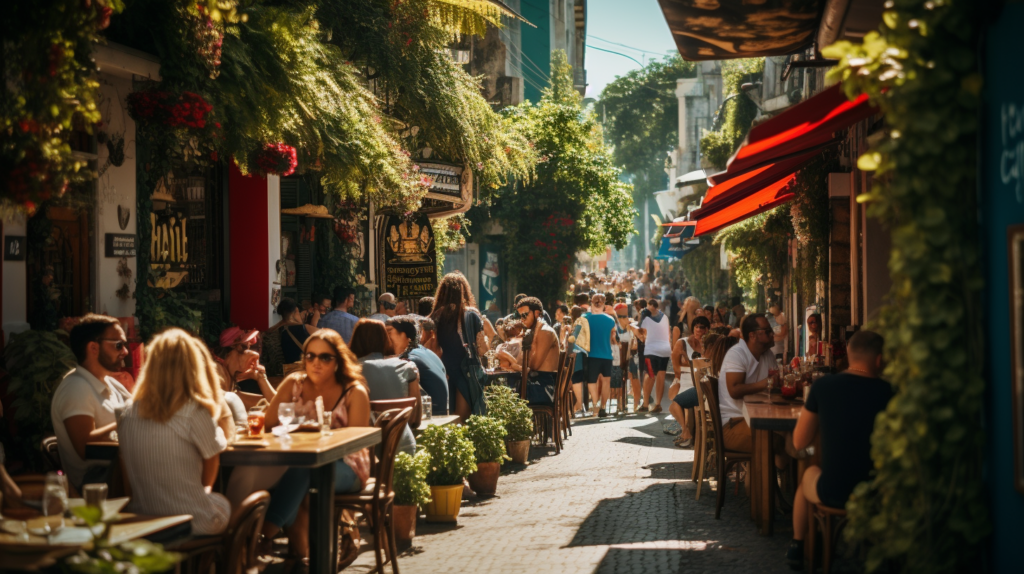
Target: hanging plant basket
274,159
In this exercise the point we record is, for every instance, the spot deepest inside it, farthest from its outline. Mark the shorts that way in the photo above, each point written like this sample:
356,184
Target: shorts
616,377
633,367
687,399
540,388
736,436
598,367
658,364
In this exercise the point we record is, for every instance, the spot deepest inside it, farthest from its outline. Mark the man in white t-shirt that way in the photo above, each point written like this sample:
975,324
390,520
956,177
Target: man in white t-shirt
744,372
84,404
654,332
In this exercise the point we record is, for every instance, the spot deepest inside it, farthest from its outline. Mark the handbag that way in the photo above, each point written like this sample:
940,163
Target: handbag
290,368
473,370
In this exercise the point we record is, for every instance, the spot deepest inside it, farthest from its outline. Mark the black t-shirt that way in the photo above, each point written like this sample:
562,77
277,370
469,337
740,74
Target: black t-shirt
846,405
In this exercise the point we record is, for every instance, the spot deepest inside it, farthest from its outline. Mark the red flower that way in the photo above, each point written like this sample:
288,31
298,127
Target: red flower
213,155
277,159
103,17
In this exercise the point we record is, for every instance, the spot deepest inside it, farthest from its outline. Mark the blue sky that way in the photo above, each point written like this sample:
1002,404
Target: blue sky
638,24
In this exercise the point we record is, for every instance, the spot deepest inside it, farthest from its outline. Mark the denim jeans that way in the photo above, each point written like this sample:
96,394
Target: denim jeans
286,496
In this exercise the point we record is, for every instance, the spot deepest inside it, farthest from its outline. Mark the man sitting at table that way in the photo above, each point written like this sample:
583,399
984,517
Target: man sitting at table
744,372
540,389
844,406
85,401
404,336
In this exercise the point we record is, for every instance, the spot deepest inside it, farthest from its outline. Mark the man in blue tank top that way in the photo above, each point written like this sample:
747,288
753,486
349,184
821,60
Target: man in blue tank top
599,361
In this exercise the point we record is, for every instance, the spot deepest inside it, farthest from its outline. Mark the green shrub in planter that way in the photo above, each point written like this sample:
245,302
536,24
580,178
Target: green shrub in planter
452,456
37,362
410,480
488,436
504,404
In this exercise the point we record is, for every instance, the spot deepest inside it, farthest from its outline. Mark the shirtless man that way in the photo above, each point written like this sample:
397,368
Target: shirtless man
543,345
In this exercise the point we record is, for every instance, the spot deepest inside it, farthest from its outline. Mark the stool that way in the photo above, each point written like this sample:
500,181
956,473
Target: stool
831,520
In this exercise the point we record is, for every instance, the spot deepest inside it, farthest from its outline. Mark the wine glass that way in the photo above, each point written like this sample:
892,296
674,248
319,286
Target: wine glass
286,414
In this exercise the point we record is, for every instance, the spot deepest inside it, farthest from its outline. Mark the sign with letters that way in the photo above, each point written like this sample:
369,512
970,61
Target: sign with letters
119,245
406,255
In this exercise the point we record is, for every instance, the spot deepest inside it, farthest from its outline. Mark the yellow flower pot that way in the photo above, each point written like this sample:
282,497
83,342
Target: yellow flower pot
444,504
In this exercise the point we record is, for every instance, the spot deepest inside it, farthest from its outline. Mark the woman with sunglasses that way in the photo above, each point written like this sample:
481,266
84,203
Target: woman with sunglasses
333,374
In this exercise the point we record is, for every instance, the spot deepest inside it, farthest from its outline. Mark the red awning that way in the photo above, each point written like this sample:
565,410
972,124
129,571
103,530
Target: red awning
768,197
807,125
679,224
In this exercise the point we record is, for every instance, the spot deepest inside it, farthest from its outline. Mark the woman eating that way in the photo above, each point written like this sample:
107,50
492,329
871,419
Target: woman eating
173,432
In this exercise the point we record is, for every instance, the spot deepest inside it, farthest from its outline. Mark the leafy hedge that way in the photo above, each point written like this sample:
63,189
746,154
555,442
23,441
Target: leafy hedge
925,508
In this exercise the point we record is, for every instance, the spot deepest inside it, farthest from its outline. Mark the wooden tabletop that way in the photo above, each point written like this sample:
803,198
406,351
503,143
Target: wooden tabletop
101,450
778,415
37,553
305,449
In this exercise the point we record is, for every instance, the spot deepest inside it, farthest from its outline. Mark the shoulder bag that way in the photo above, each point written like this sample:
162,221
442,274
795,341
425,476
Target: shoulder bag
472,369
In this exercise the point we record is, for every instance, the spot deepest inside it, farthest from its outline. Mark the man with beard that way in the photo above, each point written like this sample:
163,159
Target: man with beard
85,402
543,345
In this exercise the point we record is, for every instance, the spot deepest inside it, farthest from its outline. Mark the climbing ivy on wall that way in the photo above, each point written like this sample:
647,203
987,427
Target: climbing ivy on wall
925,508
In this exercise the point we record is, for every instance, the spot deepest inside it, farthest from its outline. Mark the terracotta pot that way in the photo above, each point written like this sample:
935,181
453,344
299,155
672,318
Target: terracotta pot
405,522
519,450
485,480
444,504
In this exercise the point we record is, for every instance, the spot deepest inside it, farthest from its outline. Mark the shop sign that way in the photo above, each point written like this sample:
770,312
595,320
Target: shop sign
448,183
119,245
14,248
407,256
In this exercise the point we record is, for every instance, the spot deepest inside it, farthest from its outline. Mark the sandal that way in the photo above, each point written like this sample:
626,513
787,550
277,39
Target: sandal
348,543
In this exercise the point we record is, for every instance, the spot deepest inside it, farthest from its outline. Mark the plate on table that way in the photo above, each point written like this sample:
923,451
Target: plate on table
251,443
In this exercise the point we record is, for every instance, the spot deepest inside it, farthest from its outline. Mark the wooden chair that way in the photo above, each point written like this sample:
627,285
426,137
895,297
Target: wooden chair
701,428
51,453
724,459
234,550
376,500
832,521
415,403
552,417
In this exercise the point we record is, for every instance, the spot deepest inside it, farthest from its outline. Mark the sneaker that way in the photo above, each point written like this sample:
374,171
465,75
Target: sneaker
642,409
656,409
601,413
795,555
684,443
672,429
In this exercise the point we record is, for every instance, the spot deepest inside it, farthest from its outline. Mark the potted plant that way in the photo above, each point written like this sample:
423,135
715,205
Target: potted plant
504,404
488,436
451,458
411,491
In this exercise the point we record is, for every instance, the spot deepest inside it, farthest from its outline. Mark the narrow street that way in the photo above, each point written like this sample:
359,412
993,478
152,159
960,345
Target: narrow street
617,499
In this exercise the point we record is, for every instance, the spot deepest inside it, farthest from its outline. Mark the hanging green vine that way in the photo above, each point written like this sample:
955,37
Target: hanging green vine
811,214
703,269
761,245
925,507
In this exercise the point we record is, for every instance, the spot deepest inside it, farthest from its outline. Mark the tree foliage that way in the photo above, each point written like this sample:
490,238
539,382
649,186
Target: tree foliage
643,119
576,201
925,507
736,114
761,246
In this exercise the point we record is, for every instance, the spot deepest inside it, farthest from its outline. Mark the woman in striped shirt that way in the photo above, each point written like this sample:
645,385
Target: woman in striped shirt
172,434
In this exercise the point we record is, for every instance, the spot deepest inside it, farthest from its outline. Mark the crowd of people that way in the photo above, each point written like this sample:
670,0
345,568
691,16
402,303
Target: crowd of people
625,329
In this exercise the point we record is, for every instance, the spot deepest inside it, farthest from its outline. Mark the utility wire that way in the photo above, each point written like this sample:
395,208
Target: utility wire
625,45
617,53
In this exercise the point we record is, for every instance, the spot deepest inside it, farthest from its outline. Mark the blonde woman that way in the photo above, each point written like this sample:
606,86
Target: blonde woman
174,431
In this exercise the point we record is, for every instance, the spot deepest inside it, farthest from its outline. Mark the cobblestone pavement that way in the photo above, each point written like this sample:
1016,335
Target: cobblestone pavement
617,499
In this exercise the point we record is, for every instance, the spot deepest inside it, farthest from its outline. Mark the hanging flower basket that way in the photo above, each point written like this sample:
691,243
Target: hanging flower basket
185,110
274,159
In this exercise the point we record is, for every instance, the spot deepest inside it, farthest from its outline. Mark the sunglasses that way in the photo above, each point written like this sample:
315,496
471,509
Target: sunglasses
325,358
241,347
119,345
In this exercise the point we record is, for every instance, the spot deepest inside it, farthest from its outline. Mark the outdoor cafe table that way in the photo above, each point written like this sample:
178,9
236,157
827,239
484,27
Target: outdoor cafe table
764,418
38,553
307,450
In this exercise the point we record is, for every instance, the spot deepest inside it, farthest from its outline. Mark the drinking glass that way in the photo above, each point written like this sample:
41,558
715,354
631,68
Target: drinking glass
55,498
255,420
428,407
95,495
